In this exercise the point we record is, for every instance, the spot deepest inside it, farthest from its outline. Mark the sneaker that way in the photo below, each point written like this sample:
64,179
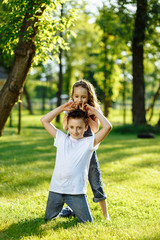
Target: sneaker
66,212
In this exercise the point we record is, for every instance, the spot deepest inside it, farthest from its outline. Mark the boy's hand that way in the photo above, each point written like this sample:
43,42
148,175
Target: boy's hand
81,105
89,109
69,106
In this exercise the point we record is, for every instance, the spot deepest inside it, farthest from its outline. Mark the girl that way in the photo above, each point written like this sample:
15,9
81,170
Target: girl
83,92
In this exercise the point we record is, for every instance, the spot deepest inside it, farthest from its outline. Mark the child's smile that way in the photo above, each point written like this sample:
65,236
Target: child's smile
76,128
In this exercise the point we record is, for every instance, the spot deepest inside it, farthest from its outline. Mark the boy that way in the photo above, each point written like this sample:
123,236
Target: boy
70,176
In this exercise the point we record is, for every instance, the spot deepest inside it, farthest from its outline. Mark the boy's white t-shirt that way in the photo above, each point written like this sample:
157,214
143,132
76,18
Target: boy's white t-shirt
73,156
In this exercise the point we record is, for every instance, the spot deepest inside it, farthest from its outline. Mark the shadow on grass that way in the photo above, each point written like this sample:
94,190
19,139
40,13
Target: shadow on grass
34,227
27,150
123,147
34,156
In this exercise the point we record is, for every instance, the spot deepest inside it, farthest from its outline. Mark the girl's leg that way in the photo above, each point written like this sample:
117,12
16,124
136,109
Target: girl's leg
103,205
95,181
54,205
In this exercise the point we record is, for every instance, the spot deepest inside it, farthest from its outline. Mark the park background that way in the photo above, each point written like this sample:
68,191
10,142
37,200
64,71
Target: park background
45,47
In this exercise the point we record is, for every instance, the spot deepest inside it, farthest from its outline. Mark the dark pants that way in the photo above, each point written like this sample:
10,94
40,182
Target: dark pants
78,203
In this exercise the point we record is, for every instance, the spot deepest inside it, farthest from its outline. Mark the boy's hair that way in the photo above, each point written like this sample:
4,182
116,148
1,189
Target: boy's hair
80,114
92,97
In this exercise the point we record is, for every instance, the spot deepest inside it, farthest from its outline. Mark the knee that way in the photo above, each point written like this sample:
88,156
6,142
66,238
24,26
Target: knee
47,217
89,220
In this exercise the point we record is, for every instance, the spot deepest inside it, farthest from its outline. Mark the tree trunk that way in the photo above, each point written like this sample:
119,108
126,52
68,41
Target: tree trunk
59,93
124,101
60,83
106,80
43,99
24,55
20,115
10,120
158,123
138,101
150,108
29,105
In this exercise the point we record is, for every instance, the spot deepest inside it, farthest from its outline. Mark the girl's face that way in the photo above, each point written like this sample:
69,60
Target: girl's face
80,95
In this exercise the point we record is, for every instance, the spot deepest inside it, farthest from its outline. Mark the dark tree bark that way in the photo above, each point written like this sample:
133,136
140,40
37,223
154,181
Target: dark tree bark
106,103
10,121
138,101
29,105
60,83
24,55
158,123
150,108
20,115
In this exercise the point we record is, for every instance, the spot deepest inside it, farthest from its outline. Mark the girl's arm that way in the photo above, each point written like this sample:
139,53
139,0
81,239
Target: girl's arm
93,120
94,124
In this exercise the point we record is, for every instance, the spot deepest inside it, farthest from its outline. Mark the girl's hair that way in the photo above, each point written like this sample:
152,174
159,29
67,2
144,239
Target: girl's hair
80,114
92,97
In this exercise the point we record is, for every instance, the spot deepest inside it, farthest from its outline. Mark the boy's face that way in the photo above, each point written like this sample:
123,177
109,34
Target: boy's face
76,127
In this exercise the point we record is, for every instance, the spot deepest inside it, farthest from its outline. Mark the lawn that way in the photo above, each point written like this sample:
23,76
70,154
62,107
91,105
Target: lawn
131,177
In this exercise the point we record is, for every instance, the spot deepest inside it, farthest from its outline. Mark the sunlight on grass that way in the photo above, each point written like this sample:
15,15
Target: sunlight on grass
130,170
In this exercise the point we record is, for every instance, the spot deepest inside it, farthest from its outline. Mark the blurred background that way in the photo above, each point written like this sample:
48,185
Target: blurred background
112,44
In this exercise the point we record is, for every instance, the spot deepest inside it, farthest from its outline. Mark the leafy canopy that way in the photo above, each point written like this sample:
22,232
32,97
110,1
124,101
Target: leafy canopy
49,24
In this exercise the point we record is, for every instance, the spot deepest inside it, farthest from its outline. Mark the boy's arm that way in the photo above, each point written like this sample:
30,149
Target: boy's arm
106,125
46,119
106,128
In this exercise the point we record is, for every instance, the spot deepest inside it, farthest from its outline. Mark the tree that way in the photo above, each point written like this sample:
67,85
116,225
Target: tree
60,83
138,101
24,54
81,60
144,50
31,23
29,105
113,41
155,98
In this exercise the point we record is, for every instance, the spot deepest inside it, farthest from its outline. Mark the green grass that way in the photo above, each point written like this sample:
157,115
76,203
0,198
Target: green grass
131,177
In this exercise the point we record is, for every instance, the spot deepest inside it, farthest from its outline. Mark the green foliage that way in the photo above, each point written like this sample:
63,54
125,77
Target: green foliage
81,60
49,24
151,46
113,42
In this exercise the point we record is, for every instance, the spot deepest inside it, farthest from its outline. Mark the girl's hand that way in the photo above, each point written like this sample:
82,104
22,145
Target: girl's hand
81,105
69,106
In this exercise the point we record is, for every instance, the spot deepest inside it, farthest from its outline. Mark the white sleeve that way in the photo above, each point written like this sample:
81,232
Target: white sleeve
59,138
66,113
92,144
